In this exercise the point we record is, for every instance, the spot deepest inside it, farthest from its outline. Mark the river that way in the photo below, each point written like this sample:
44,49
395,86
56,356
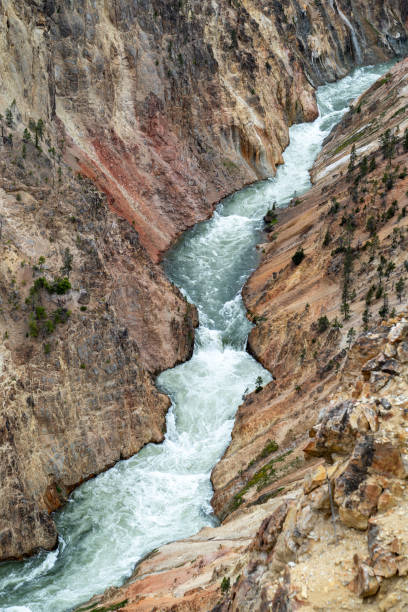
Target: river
163,493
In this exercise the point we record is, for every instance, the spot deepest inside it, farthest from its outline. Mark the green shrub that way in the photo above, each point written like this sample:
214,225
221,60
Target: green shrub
33,328
61,315
366,318
225,585
351,334
258,384
40,312
383,312
391,210
60,286
40,283
26,136
389,269
400,288
370,294
9,118
335,207
298,257
49,326
371,225
270,448
323,324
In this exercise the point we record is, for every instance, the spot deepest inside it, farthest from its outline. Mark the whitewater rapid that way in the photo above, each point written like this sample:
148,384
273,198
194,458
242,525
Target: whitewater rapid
163,493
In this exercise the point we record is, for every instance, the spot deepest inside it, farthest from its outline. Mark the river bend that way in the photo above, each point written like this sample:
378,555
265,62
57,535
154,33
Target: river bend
164,492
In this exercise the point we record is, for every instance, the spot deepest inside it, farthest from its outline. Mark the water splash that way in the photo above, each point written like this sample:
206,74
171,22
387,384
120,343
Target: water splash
356,45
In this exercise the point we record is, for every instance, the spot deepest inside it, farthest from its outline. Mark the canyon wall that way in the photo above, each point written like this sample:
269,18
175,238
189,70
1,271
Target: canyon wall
77,356
352,228
171,105
313,487
285,553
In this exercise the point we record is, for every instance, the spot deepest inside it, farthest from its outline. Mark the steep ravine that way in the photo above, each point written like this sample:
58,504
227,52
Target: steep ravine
205,263
167,107
76,370
115,85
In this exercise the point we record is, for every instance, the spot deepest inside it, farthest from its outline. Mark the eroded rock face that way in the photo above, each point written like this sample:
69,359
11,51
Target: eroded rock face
170,106
338,537
301,334
76,367
296,559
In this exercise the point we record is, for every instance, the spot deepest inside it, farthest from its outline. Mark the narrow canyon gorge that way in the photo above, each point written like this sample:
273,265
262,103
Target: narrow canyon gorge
277,475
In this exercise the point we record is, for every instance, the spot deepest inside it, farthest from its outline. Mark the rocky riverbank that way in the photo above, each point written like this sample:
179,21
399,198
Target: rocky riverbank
327,438
286,552
351,227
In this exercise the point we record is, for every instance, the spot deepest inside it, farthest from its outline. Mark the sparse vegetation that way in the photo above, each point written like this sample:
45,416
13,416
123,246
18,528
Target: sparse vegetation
258,384
264,476
67,263
270,448
351,334
39,321
327,239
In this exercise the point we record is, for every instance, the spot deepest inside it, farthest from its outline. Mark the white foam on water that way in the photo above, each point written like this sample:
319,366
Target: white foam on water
164,492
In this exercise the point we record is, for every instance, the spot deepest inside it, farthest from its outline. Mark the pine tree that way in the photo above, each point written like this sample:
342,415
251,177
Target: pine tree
26,136
400,287
352,162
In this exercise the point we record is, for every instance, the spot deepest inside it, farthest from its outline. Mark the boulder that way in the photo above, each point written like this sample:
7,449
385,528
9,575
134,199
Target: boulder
398,332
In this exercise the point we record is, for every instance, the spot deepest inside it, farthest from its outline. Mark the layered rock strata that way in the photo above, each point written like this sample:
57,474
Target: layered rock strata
166,106
344,539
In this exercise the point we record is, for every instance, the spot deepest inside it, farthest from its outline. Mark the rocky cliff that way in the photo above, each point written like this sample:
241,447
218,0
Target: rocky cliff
171,105
343,539
86,319
312,488
352,229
